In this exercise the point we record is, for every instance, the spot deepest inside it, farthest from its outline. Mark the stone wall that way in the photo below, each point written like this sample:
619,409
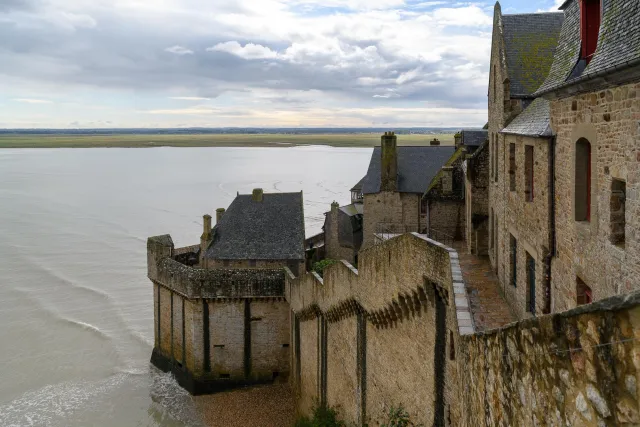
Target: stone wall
217,329
609,120
400,211
574,368
528,223
262,264
448,217
367,338
477,201
332,247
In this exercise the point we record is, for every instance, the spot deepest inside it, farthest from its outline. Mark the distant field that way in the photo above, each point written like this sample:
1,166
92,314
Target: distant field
216,140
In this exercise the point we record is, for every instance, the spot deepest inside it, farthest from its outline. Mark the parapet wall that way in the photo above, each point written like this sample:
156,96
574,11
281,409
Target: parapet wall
574,368
396,333
365,340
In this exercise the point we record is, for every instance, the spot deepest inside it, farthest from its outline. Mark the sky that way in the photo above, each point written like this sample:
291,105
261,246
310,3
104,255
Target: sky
246,63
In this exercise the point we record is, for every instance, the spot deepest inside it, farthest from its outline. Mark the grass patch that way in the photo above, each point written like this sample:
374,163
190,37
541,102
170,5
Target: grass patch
217,140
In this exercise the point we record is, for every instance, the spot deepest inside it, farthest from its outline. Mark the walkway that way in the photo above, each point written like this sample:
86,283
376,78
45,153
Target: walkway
488,307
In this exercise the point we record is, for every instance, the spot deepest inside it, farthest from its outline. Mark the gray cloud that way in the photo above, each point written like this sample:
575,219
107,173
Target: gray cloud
39,43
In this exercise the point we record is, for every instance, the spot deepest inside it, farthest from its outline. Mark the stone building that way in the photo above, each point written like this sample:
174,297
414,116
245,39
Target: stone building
343,230
476,182
593,89
563,132
521,54
396,179
220,318
258,230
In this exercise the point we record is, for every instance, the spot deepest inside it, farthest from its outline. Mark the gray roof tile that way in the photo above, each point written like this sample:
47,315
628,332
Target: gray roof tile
533,121
530,41
271,229
474,137
416,168
618,43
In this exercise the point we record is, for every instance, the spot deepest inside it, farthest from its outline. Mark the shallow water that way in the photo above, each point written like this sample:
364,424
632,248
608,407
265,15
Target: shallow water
77,312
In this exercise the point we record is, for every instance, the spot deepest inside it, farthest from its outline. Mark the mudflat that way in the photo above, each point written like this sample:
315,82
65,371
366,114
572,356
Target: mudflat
210,140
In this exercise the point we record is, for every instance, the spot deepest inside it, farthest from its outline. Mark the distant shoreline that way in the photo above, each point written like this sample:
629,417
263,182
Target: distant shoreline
210,140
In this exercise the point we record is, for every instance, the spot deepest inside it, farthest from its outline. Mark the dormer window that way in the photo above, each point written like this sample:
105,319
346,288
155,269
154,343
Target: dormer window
590,12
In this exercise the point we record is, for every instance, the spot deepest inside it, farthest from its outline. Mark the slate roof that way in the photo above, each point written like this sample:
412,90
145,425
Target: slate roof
352,209
618,43
533,121
530,41
271,229
416,168
474,137
358,186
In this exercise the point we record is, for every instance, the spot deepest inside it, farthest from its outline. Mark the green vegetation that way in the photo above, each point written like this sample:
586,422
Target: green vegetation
216,140
323,416
326,416
398,417
319,266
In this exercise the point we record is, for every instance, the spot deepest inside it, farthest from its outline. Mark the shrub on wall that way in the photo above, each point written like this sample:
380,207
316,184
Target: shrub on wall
323,416
319,266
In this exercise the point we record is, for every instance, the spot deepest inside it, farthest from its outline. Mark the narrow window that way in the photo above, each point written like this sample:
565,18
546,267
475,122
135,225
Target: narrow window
528,173
583,292
583,181
452,347
423,206
617,209
512,167
513,248
495,85
493,156
589,27
493,229
531,284
252,263
225,262
495,163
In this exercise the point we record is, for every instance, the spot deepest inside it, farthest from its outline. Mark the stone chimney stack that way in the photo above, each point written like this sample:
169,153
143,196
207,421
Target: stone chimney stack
447,179
206,236
388,162
257,195
334,206
434,141
219,213
458,139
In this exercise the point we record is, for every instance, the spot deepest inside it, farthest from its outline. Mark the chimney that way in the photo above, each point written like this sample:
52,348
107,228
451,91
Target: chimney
334,206
206,227
458,139
206,237
434,141
447,179
257,195
388,162
219,213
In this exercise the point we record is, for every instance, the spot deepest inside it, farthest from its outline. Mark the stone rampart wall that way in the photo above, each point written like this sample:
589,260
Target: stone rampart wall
367,338
574,368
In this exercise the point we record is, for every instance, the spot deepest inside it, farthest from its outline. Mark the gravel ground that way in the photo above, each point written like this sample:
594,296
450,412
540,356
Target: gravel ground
260,406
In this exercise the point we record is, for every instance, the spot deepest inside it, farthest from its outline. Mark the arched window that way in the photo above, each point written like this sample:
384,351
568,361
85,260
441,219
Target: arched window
583,180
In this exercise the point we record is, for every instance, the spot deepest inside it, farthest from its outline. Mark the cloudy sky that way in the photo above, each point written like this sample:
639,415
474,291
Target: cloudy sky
174,63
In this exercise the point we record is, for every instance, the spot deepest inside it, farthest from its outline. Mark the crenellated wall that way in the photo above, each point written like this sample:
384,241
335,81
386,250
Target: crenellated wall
369,339
398,332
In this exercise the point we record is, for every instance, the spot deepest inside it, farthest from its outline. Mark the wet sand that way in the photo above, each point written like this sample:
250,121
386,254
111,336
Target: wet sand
260,406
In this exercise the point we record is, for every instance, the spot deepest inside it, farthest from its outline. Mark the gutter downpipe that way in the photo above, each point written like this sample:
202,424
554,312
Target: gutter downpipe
552,224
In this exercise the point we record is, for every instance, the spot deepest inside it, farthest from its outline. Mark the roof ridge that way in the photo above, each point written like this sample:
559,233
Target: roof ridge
533,13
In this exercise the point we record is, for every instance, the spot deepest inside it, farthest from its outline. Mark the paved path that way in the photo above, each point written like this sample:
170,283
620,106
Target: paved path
488,307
